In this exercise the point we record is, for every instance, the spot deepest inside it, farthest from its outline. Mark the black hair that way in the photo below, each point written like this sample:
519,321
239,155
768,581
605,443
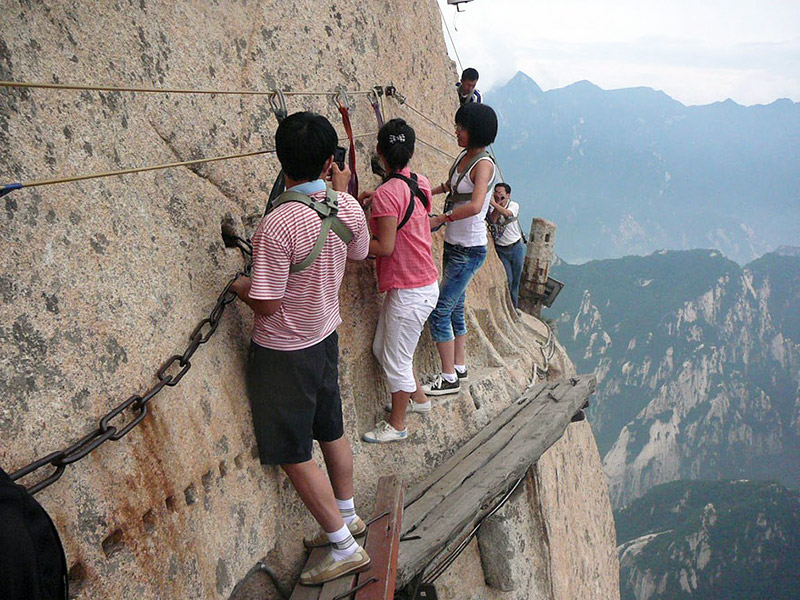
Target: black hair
469,74
480,121
303,142
505,186
396,143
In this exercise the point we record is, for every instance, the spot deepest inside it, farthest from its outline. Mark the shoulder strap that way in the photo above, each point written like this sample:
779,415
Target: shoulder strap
327,210
454,195
415,191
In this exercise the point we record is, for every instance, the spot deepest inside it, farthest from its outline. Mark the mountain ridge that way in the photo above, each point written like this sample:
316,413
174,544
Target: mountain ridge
631,170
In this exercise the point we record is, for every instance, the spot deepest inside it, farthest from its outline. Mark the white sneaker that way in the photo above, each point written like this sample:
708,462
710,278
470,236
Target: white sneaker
413,407
384,433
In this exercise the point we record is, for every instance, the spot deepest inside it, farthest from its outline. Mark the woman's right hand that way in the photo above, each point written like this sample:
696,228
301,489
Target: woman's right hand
365,198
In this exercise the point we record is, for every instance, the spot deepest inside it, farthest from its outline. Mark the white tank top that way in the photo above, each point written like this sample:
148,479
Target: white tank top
470,231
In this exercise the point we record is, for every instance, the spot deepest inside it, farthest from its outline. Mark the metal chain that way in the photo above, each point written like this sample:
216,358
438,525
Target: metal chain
169,374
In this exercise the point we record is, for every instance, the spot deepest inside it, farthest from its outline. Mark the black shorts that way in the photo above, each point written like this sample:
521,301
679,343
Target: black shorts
294,398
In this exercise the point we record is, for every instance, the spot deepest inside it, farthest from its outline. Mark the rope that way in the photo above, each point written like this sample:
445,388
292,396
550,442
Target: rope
429,145
452,42
431,121
15,186
147,90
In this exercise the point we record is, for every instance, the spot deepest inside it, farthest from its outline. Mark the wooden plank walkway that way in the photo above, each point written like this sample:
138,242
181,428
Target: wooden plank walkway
454,497
381,543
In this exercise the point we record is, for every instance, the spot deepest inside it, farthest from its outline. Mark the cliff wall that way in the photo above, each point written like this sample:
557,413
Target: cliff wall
103,280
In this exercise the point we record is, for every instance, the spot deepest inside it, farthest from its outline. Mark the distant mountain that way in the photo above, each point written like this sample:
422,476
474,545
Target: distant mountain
630,171
698,365
709,540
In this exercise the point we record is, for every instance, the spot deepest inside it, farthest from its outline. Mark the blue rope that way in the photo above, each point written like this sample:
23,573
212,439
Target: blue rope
7,189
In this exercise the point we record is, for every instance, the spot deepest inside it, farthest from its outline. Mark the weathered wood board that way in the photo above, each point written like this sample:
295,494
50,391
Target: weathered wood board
456,495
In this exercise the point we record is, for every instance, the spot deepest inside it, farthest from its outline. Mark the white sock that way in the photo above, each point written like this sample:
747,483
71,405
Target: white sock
460,368
347,508
450,377
343,544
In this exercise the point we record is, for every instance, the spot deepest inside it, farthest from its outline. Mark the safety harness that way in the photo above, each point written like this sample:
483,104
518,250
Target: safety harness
411,182
453,197
327,210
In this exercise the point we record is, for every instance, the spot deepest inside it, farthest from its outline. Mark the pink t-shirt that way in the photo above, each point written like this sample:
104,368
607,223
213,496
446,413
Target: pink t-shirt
411,264
309,309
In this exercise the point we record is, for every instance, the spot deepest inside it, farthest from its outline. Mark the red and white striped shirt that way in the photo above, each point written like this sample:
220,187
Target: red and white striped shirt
309,309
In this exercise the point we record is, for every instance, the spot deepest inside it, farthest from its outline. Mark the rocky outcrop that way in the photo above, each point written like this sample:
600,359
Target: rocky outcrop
103,280
697,362
703,540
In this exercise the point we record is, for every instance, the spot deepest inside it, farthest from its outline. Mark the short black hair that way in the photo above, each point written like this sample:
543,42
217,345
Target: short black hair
503,185
469,74
396,143
303,142
480,121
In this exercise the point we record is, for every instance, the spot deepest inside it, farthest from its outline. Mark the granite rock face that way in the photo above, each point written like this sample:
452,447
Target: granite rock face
103,280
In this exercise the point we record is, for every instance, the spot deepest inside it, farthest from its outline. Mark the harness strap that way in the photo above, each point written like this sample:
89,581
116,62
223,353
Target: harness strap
352,186
327,211
454,197
415,191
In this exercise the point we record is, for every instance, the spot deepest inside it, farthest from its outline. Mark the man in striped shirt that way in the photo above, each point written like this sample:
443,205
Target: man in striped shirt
292,373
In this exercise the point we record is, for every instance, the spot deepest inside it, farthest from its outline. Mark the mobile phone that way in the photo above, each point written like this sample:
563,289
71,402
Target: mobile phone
338,157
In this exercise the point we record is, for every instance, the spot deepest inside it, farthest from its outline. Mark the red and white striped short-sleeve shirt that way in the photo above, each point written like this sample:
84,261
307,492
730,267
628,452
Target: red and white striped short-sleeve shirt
309,310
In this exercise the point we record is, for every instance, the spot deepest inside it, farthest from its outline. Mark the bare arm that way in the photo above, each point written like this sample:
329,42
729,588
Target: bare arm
499,209
265,308
383,238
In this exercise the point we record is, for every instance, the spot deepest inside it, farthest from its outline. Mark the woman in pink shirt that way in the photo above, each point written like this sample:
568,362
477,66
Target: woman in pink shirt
401,243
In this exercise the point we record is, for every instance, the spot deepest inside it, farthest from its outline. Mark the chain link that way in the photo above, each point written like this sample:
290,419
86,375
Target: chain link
169,374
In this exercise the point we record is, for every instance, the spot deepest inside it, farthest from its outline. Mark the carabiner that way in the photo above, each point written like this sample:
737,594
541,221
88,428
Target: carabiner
278,103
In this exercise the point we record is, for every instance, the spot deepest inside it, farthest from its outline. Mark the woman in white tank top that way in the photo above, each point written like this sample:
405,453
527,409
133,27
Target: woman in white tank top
470,187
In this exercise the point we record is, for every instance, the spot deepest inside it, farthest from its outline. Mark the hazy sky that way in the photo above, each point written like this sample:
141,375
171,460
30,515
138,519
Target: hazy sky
696,51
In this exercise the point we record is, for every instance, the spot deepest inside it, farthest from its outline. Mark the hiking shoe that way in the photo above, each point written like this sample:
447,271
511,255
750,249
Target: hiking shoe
441,387
357,528
413,407
384,433
330,569
462,376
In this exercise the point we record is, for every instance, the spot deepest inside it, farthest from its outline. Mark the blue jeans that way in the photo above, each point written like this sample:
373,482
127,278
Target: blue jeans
459,265
513,258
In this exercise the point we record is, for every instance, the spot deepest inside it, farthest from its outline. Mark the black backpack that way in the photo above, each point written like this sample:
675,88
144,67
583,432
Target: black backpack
415,191
33,565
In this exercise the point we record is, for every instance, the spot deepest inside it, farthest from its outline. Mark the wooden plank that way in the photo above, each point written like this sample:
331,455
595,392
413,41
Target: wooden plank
476,442
465,468
465,505
303,592
383,542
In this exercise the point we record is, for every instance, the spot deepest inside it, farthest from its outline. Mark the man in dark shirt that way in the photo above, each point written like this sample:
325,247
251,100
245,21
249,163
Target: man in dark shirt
466,87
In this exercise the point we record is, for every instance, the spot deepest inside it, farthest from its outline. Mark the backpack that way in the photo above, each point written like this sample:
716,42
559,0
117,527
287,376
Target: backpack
327,210
32,559
453,197
415,191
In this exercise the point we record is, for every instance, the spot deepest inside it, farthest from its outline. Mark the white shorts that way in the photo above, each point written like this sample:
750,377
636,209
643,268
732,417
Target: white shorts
400,324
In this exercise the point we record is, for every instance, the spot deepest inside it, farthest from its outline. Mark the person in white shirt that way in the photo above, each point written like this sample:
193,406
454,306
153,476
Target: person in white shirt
469,187
508,242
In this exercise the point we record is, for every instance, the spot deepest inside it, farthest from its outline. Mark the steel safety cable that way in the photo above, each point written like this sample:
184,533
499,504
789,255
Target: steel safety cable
152,90
452,42
434,147
431,121
461,68
5,189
